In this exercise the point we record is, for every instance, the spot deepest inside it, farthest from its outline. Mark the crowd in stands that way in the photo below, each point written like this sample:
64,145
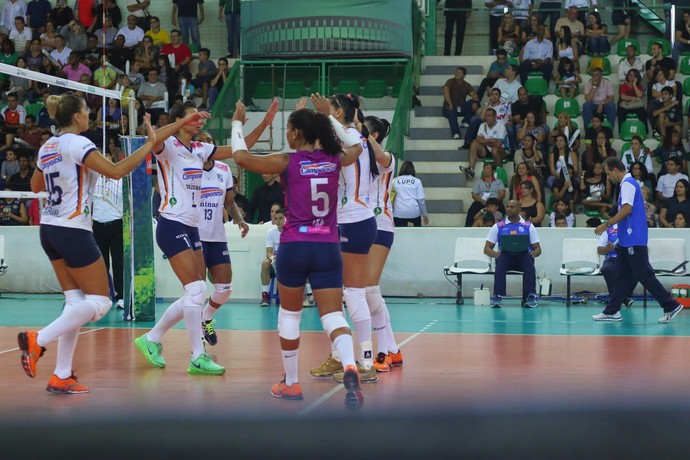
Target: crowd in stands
558,169
131,53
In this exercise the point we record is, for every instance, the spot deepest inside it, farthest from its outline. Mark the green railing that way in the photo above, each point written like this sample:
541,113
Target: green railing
400,125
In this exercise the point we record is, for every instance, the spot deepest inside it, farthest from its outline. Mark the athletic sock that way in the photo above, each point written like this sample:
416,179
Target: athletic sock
345,349
265,287
391,344
67,343
171,316
366,357
208,312
72,318
290,362
378,321
192,319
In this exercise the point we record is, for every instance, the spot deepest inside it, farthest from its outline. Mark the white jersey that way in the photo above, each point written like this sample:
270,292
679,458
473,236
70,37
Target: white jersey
408,192
179,179
69,182
273,239
214,185
379,197
353,186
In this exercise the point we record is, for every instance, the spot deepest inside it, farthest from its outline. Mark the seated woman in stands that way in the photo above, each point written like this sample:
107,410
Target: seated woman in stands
533,126
569,155
524,172
672,146
533,157
567,128
567,77
598,151
632,98
530,30
595,189
531,208
509,35
597,42
678,203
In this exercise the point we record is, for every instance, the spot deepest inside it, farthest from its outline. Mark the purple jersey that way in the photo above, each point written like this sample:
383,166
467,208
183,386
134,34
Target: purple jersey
311,197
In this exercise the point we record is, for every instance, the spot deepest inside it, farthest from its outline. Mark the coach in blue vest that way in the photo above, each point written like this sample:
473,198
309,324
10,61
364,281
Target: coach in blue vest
513,224
632,261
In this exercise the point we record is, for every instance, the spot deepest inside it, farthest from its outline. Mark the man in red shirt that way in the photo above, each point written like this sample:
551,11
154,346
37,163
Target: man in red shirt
182,53
85,13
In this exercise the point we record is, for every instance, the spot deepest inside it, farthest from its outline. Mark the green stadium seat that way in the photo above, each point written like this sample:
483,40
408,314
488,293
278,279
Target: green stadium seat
687,106
631,128
397,86
375,89
193,48
570,106
501,175
686,87
33,109
623,44
294,89
591,213
263,90
348,86
537,86
665,46
514,61
684,65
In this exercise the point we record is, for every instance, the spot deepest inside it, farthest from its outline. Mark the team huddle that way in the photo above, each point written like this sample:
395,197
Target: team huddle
337,184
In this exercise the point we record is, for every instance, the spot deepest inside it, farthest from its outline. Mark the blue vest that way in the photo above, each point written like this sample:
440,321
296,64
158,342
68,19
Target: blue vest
633,231
612,233
510,228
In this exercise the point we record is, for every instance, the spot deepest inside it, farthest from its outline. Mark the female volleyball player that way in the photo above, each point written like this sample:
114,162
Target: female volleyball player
67,167
180,161
388,355
357,227
217,201
309,243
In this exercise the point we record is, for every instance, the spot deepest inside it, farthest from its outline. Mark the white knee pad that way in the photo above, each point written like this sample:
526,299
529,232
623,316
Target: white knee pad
288,323
333,321
221,293
195,294
356,301
73,296
100,304
374,300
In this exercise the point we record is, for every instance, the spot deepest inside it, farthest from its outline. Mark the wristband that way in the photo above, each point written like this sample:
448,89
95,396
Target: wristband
237,137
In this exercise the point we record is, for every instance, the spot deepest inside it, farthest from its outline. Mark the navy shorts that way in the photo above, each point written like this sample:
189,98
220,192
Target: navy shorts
215,253
357,237
321,263
384,238
174,237
76,246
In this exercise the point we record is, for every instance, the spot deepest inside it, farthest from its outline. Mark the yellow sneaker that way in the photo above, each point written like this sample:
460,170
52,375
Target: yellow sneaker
365,375
328,368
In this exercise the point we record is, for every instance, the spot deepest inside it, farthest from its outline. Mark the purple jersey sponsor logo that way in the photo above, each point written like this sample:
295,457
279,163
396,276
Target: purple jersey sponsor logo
192,173
308,168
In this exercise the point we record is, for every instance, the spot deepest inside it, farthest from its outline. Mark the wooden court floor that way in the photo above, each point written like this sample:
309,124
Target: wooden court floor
461,356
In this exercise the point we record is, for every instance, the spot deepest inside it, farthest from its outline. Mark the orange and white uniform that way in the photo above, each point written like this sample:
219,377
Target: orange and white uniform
354,184
214,185
380,197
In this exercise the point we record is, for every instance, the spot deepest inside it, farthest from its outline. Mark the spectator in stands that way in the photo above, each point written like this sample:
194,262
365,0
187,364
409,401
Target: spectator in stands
61,14
531,208
218,81
566,48
75,69
533,127
529,155
264,196
9,167
621,17
409,205
160,37
509,34
597,41
34,56
668,113
268,269
186,12
132,32
566,127
455,19
567,77
139,9
666,184
524,172
491,209
75,36
682,42
559,220
495,17
562,212
682,220
637,152
659,61
20,35
491,141
678,203
649,208
524,104
49,38
61,52
521,11
561,150
639,172
456,92
153,90
487,187
597,151
503,117
597,124
630,62
119,55
21,181
10,10
596,189
31,133
6,138
536,55
567,188
9,57
672,146
631,98
508,260
167,74
146,53
207,70
181,52
105,76
92,54
135,77
13,113
598,98
12,211
496,71
577,26
112,10
20,85
85,12
509,85
37,12
529,29
106,35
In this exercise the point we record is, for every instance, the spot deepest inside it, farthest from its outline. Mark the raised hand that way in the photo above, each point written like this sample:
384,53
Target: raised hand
196,119
301,104
271,114
321,104
241,111
150,132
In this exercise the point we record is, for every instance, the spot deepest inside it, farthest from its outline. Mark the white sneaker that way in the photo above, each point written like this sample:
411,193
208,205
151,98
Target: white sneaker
456,136
669,315
604,317
120,304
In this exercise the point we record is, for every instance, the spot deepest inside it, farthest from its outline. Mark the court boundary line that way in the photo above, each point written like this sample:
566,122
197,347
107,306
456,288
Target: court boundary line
80,333
339,387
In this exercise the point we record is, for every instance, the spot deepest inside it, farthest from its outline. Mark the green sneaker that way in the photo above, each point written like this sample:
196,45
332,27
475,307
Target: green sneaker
151,350
204,365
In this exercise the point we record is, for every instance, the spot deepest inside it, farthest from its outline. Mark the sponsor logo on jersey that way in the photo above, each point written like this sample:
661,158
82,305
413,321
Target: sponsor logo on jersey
51,159
192,173
208,192
308,168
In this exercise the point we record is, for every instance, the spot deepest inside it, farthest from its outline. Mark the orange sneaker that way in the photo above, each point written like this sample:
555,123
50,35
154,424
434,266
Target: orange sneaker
382,362
281,390
396,358
31,351
68,386
353,398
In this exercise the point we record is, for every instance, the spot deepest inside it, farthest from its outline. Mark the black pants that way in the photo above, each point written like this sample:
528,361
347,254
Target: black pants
523,262
632,266
457,20
403,222
494,24
108,237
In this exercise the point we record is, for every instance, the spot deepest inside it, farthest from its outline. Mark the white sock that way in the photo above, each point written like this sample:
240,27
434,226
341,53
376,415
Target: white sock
378,321
290,362
391,344
67,343
208,312
359,313
192,320
365,356
72,318
265,287
171,316
346,349
334,353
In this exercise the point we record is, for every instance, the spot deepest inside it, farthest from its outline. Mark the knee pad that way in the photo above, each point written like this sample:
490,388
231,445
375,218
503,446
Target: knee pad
100,304
195,294
73,296
333,321
374,300
221,293
288,323
356,301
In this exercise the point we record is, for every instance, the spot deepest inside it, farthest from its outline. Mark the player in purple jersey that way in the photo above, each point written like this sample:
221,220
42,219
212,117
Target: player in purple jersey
309,243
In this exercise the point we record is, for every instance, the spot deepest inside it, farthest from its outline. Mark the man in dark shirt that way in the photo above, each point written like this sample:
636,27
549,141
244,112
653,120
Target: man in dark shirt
597,125
271,191
119,55
659,61
455,94
524,104
21,182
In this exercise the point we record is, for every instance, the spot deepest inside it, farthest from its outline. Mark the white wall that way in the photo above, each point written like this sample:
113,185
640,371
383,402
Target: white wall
414,267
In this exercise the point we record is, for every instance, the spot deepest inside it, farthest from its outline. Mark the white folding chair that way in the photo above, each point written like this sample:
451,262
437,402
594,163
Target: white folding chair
667,258
579,258
469,260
